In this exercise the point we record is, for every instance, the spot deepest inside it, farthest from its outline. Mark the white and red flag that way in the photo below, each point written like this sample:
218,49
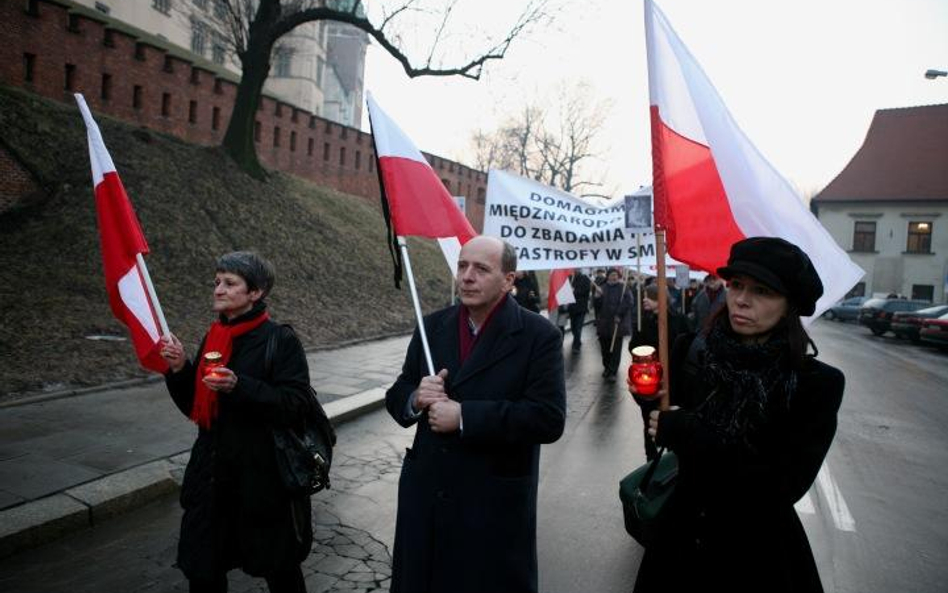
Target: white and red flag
122,246
712,186
561,291
414,200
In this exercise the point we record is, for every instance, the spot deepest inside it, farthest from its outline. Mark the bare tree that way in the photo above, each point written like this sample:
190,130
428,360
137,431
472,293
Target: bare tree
253,28
549,144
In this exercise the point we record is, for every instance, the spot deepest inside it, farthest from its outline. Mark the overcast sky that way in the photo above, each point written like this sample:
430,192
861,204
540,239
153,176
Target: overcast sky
802,78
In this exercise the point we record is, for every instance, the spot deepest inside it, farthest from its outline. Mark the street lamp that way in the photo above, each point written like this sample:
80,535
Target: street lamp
933,74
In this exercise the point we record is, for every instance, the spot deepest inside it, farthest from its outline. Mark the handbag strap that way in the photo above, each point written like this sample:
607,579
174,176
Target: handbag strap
650,472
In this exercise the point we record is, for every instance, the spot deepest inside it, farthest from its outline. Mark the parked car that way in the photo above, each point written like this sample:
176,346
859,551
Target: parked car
846,309
876,314
906,324
935,332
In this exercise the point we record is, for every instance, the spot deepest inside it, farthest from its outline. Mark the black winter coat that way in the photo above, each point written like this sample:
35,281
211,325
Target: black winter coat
236,511
467,502
582,286
731,524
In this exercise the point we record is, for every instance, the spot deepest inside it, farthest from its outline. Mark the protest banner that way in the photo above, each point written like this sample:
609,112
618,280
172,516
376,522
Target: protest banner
551,229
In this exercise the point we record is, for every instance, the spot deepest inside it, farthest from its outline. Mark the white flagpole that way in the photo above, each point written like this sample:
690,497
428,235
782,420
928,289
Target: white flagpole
152,296
403,246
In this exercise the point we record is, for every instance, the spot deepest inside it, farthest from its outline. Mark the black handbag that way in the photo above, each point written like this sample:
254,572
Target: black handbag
644,494
304,452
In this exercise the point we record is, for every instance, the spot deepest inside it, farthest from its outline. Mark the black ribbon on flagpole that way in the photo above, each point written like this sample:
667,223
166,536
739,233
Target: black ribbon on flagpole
390,237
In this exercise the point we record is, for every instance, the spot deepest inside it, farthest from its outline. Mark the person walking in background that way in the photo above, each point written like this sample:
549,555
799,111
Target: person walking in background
614,320
708,301
237,512
577,311
598,280
467,495
527,291
757,416
648,336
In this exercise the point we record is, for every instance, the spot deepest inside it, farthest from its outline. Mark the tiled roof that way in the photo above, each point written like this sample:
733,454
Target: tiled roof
903,158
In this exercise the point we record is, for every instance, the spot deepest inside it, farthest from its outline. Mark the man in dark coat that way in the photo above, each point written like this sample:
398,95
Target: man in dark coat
614,320
577,311
527,291
708,300
467,495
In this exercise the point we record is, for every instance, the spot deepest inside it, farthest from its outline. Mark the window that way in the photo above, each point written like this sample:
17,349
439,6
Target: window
195,75
923,292
864,236
70,77
192,112
256,131
140,52
276,137
218,86
72,23
278,109
198,37
219,51
343,132
32,7
29,67
358,162
919,237
312,122
216,118
106,91
137,96
162,6
108,38
295,117
282,62
342,156
165,104
320,64
447,184
325,151
309,147
328,128
169,64
293,141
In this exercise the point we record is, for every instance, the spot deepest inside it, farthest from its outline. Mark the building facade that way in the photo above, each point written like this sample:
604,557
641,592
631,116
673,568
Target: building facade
889,207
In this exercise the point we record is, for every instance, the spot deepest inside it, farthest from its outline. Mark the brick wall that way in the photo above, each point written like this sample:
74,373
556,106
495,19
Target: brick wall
49,49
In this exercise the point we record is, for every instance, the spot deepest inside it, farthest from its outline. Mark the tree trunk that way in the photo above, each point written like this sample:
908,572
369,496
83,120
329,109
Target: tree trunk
239,138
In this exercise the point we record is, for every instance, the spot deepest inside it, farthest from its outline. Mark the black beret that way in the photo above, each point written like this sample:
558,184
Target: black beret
780,265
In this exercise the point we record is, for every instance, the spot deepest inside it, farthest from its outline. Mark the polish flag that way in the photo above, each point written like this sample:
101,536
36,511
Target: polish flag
561,292
122,242
712,186
418,203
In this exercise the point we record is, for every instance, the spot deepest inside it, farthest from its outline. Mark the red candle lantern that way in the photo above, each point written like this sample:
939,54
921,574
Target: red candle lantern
645,372
212,360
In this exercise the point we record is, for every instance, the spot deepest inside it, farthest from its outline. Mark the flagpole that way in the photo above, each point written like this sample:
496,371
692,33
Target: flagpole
152,296
615,327
403,247
638,280
662,315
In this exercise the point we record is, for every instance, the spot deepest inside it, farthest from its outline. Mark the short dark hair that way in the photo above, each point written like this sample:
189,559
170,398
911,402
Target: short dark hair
256,271
508,258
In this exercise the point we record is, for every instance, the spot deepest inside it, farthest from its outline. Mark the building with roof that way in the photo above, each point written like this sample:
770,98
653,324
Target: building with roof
889,206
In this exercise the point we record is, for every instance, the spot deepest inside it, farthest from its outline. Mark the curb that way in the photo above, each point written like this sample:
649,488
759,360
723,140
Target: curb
43,520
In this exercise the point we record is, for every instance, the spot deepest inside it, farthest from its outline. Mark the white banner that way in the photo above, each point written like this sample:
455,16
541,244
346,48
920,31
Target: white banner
552,229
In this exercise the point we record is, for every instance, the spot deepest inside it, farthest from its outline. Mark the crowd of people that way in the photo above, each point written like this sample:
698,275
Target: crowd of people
753,414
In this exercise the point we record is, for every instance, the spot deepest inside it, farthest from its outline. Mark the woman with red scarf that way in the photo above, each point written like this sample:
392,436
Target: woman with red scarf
237,513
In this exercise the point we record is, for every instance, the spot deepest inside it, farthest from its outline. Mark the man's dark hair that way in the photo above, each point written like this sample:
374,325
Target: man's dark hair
256,271
508,258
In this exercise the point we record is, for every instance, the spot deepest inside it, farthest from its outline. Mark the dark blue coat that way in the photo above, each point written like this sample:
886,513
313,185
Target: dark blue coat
467,502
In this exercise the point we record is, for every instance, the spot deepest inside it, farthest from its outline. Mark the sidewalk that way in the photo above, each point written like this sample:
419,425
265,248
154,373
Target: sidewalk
69,463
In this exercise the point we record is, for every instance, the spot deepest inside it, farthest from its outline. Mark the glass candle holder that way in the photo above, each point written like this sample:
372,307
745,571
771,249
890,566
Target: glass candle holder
212,360
645,372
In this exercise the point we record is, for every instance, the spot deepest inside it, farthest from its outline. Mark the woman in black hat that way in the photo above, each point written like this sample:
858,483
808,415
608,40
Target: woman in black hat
753,419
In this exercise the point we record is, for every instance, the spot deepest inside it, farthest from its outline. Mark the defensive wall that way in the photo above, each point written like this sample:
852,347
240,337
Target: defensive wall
56,48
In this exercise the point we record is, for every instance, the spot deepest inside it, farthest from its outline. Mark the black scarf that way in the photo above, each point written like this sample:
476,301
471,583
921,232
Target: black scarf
751,384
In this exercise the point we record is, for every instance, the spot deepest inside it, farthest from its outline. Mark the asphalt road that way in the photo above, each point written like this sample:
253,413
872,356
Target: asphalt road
877,516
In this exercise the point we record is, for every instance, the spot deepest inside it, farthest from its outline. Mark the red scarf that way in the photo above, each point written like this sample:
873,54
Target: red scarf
466,339
220,338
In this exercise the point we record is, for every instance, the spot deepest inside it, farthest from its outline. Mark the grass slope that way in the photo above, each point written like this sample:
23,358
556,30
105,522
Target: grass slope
334,273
